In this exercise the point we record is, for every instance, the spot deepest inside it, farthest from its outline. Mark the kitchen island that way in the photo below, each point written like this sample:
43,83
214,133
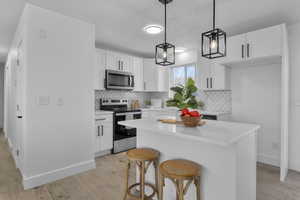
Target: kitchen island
225,150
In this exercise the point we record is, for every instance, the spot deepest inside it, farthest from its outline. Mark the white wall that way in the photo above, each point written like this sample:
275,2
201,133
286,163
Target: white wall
57,64
1,94
256,98
294,133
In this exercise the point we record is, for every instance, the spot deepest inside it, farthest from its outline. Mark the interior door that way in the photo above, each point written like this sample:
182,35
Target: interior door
19,102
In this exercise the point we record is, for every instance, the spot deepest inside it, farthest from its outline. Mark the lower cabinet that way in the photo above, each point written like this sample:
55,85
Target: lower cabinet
104,133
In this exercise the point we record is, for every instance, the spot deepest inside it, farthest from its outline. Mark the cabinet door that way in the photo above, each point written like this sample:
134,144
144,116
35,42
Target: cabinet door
163,79
106,139
236,49
203,68
126,63
99,74
138,71
97,136
150,75
218,79
112,61
265,42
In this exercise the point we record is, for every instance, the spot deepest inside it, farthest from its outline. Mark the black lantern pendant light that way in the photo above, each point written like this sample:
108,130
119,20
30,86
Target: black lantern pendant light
165,52
214,41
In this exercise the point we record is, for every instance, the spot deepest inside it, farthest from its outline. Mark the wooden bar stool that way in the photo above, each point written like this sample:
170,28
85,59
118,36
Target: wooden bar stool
143,158
182,173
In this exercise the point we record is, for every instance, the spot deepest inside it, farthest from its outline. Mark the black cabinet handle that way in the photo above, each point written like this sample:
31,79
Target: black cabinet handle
102,130
98,131
19,117
243,53
248,50
207,83
211,83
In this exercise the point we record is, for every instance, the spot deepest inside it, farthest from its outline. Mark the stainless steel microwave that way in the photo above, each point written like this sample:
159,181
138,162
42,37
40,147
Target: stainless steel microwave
119,80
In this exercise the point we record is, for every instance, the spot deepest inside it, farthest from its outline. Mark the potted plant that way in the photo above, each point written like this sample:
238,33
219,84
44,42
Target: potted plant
185,99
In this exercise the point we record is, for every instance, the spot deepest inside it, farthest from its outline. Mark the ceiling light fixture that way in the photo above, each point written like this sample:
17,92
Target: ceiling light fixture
165,52
214,41
153,29
180,50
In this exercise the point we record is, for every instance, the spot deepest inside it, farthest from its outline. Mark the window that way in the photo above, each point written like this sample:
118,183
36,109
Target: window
179,75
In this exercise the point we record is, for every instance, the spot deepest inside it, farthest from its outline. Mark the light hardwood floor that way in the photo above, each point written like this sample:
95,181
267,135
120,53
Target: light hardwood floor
106,182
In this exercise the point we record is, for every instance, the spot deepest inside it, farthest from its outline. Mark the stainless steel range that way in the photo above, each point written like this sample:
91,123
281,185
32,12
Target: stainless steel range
124,137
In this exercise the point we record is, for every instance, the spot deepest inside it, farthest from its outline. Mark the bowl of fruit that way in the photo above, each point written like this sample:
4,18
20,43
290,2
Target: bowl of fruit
190,118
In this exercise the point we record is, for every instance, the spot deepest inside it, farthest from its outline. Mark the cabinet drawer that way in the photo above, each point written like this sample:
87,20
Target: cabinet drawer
103,118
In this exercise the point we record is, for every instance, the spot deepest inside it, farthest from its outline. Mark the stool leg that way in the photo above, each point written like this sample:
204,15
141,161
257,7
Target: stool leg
197,184
161,187
142,181
155,163
181,189
126,179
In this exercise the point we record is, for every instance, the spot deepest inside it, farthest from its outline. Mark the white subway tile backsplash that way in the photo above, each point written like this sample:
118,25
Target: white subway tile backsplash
111,94
216,101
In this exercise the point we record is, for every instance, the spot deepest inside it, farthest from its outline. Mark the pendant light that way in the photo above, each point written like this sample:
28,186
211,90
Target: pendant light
165,52
214,41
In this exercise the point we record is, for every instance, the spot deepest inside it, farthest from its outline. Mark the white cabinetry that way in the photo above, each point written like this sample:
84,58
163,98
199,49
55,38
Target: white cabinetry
116,61
264,43
163,79
214,76
138,71
258,44
99,74
150,75
103,133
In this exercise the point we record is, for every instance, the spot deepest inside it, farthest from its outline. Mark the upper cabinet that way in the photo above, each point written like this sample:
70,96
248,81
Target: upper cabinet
150,75
262,43
163,79
138,71
116,61
213,76
99,73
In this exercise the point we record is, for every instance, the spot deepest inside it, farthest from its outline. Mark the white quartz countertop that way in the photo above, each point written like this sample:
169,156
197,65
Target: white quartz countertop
204,112
214,132
103,112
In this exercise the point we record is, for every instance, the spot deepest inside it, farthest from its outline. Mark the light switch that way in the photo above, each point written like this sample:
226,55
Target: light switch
43,100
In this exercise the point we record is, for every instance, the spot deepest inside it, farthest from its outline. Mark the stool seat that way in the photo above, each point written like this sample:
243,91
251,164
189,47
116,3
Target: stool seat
143,158
182,173
142,154
180,169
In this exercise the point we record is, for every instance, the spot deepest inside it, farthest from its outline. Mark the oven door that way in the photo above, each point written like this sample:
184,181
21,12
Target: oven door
123,132
116,80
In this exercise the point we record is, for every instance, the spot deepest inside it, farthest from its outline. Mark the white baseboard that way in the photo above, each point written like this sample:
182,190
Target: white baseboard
102,153
41,179
270,160
9,143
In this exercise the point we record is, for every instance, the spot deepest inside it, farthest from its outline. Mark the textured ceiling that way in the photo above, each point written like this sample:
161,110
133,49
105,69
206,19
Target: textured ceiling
119,23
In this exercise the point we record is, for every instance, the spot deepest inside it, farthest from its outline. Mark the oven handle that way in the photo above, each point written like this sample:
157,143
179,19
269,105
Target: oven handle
128,113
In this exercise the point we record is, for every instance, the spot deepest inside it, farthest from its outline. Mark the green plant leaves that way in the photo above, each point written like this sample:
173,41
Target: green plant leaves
184,96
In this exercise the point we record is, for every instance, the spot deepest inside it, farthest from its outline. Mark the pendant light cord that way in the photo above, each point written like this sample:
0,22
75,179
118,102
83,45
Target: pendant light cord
165,21
214,14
